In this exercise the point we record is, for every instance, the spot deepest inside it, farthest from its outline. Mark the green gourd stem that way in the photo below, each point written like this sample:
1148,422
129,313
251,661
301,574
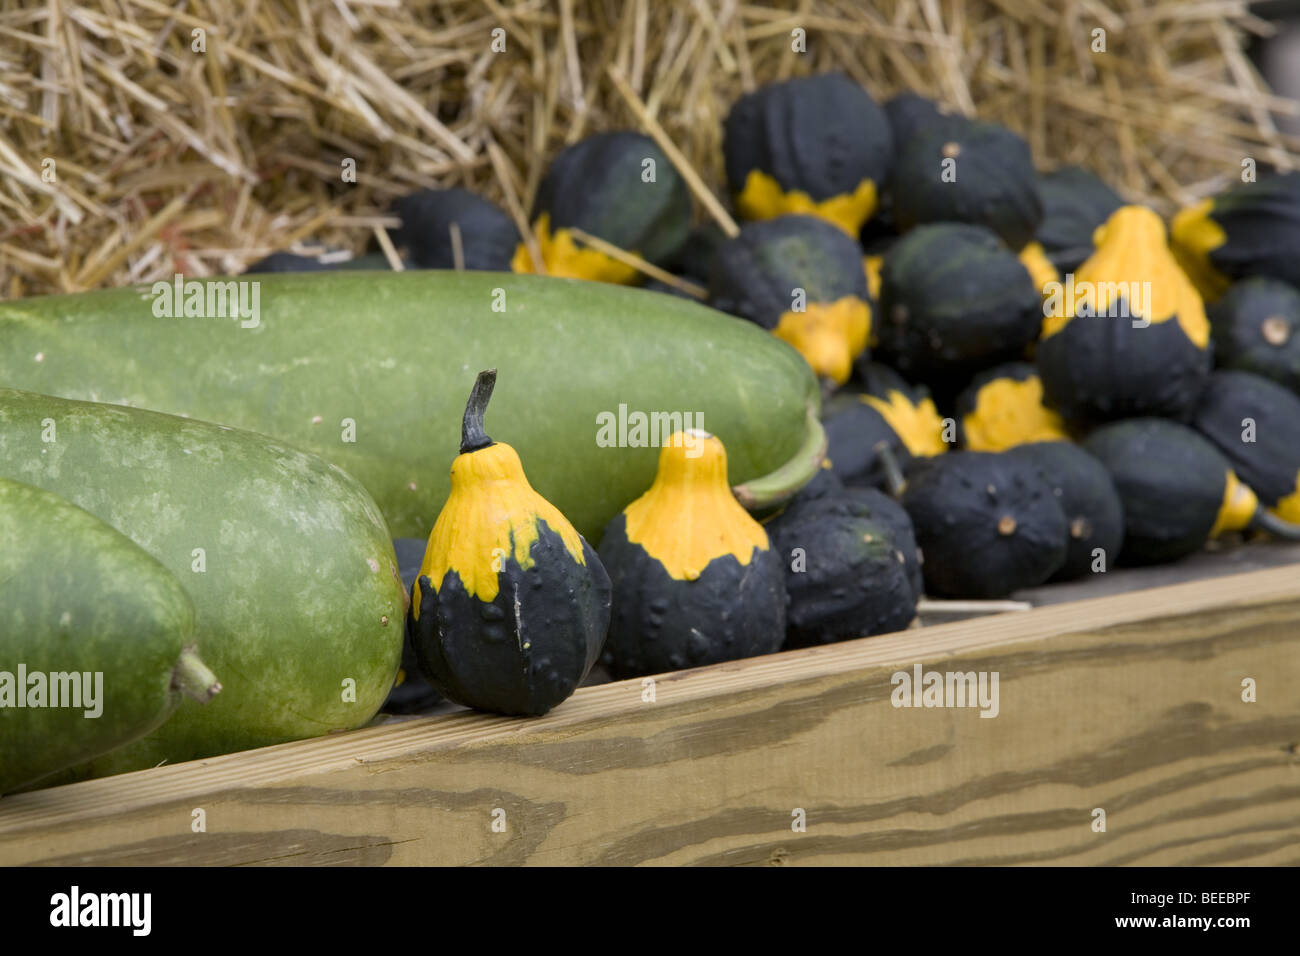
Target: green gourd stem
194,678
893,472
1267,521
777,486
472,435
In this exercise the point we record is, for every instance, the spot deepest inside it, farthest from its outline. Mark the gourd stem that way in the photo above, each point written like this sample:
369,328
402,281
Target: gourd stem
775,487
472,436
194,678
1266,521
893,472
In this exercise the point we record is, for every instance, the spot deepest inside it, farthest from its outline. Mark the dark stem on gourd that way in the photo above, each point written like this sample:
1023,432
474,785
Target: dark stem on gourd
1266,521
893,472
472,436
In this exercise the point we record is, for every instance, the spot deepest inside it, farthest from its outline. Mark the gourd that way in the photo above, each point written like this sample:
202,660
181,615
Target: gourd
911,113
1256,328
1129,336
616,186
451,228
695,578
1003,407
1177,490
972,172
815,145
954,300
987,524
1251,229
1094,513
803,280
1255,424
511,605
885,409
846,573
1075,204
411,692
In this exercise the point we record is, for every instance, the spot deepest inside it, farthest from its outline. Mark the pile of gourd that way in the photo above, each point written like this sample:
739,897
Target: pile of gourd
1019,369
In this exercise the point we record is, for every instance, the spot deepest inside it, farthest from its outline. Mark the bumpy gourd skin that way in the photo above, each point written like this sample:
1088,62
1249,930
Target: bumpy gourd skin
527,649
979,503
695,578
853,580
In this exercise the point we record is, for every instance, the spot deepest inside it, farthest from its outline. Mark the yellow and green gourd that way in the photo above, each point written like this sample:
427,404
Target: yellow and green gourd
695,578
1003,407
511,605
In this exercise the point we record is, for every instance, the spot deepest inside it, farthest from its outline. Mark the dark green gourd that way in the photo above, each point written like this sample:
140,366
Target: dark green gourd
1093,512
1075,203
986,524
1256,328
454,228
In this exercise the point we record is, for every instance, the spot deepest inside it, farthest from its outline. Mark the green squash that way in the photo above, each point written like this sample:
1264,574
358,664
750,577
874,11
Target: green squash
1256,328
1177,490
1094,513
973,172
1127,335
802,279
434,220
814,145
1003,407
1255,424
954,300
512,604
1075,204
846,571
986,524
1251,229
695,578
910,114
619,187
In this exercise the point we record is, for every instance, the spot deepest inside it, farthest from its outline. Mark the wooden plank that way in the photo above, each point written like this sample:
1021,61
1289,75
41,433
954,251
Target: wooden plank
1129,703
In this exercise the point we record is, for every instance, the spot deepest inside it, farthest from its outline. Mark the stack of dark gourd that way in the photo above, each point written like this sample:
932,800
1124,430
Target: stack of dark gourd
1026,379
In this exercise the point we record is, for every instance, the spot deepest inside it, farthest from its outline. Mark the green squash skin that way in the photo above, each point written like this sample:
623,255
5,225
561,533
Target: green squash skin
76,595
1099,369
911,114
487,233
596,184
822,135
1075,203
1270,464
996,185
1170,482
954,300
1094,513
755,274
956,518
527,649
1262,223
397,352
662,624
1237,323
855,580
301,590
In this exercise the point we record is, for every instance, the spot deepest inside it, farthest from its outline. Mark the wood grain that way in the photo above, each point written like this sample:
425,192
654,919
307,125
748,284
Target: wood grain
1131,703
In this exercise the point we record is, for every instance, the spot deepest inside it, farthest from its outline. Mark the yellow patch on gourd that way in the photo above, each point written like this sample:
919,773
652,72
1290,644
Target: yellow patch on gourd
1193,236
829,335
1041,271
1288,508
763,198
564,258
1238,508
1009,413
1133,263
872,265
689,516
918,425
490,517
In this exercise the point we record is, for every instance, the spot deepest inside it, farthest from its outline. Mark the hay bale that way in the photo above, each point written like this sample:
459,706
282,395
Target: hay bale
169,158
